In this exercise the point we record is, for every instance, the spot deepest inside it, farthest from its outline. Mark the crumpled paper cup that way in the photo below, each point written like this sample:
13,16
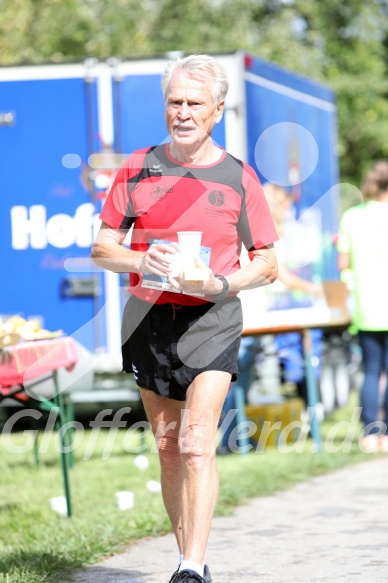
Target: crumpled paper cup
59,504
125,500
154,486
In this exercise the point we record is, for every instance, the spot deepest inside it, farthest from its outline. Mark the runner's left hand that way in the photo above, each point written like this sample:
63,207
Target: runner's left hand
208,285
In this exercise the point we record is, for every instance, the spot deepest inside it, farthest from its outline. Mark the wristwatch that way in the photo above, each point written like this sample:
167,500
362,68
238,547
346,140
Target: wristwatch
225,290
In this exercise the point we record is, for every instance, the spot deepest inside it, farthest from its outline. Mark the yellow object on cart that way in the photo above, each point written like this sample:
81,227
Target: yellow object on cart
276,423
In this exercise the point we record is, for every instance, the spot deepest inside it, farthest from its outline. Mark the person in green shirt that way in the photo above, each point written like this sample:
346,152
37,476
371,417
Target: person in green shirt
363,248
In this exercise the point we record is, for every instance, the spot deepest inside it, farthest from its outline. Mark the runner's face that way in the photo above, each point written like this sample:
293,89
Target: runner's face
190,110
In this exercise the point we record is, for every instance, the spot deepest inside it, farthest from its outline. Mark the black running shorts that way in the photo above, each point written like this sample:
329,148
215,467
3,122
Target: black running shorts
166,345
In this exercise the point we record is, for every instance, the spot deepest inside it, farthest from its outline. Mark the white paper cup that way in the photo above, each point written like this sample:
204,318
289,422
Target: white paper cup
154,486
189,243
189,247
125,500
141,462
58,504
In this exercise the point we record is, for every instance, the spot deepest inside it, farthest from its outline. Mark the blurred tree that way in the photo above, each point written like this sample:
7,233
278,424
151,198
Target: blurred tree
35,31
341,42
204,26
353,40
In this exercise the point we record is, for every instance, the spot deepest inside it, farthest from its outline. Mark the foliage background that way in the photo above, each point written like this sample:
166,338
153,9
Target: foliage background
343,43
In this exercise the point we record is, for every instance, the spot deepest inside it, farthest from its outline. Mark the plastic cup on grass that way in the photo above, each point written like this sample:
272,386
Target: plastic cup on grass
59,504
154,486
125,500
141,462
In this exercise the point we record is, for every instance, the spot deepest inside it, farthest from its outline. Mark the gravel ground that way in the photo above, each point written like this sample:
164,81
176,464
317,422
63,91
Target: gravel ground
332,528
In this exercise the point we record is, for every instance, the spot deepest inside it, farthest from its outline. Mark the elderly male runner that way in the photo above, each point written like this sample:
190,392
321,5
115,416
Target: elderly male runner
182,345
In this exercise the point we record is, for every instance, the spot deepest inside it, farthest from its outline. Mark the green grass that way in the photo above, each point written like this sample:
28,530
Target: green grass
38,545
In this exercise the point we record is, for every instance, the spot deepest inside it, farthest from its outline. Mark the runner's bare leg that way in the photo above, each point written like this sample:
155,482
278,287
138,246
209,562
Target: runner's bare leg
204,402
189,474
164,416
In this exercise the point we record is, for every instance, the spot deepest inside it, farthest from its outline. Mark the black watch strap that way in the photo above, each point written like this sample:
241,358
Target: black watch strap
225,290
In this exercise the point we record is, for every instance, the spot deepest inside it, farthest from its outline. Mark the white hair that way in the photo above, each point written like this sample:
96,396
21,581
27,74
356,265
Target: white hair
197,66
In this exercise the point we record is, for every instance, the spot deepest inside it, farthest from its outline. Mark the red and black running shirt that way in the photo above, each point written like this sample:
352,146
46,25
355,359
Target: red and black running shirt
160,196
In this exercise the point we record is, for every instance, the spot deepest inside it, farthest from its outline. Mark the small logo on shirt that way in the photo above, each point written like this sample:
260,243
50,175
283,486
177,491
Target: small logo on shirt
216,198
160,192
156,170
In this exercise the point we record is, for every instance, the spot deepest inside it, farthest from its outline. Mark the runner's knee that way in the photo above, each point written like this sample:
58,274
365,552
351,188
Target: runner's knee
196,443
168,447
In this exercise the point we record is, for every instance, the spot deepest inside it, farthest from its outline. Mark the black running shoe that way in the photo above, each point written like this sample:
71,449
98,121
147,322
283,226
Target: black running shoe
206,576
188,576
174,576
